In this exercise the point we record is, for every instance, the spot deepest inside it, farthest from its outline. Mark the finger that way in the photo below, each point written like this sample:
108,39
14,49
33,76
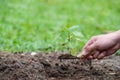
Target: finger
92,40
113,50
84,51
81,55
89,50
88,54
90,57
96,54
101,55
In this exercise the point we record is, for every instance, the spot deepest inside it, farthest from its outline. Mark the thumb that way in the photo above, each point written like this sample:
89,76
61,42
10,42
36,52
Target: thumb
90,49
87,51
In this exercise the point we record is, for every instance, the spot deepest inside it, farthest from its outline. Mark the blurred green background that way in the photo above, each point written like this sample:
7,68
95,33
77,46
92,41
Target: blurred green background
54,25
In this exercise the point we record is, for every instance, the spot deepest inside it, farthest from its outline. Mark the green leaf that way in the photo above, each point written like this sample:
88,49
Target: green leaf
74,52
75,27
78,34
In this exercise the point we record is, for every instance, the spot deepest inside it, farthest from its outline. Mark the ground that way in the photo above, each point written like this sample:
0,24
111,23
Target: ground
50,66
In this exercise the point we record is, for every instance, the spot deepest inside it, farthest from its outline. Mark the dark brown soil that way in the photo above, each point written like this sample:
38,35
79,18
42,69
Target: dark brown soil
52,67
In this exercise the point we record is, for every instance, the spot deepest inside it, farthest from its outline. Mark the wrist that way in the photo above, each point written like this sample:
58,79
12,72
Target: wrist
117,35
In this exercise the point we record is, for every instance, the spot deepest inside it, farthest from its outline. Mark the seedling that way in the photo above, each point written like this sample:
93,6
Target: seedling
73,38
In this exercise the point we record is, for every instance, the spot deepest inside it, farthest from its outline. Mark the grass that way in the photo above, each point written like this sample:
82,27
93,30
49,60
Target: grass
44,25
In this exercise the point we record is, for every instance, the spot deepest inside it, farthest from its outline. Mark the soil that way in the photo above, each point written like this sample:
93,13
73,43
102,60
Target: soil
52,67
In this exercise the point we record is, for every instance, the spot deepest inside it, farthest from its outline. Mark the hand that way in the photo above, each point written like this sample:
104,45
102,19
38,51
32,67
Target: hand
101,46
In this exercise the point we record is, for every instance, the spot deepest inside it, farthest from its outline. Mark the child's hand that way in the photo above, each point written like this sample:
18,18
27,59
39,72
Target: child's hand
100,46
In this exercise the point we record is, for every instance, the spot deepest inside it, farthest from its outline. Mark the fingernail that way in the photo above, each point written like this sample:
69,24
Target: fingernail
79,55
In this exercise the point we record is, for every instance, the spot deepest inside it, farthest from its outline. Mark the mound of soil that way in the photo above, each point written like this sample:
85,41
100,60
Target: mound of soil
52,67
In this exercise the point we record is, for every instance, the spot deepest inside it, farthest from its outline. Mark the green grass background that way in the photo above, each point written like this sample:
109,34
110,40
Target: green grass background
43,25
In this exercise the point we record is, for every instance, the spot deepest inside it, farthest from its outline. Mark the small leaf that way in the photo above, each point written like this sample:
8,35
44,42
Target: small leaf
78,34
75,27
73,51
